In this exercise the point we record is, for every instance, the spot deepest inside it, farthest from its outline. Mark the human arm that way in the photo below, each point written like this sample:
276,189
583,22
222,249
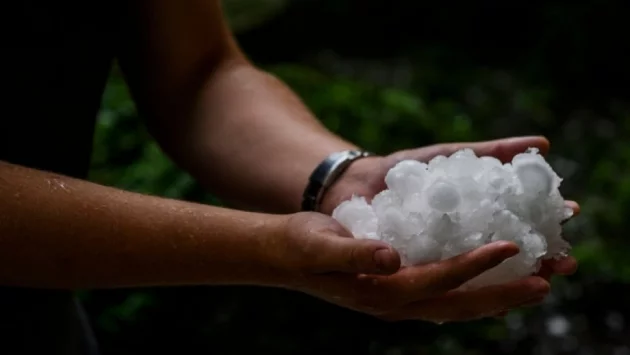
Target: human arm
62,233
240,131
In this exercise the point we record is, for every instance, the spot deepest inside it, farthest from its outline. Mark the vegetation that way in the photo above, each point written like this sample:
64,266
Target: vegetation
399,74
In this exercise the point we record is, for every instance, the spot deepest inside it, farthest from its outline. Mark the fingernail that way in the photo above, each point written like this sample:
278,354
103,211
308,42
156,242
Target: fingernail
383,259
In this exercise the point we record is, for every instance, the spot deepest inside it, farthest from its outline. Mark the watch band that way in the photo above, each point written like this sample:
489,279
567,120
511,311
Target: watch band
325,174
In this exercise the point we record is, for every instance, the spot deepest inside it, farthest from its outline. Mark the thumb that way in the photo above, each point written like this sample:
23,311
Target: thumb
342,254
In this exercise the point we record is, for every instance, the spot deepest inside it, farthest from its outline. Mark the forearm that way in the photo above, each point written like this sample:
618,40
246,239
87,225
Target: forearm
242,133
58,232
252,141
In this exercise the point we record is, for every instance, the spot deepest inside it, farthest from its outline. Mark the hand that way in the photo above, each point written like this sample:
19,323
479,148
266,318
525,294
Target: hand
320,257
366,177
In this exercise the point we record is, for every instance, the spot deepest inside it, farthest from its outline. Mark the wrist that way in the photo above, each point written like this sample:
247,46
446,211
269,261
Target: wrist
357,179
264,250
327,173
281,253
224,246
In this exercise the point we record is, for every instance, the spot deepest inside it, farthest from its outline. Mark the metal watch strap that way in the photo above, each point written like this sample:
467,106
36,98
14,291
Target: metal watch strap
326,173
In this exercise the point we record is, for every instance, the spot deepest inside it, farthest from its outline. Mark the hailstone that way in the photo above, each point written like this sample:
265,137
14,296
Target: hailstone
451,205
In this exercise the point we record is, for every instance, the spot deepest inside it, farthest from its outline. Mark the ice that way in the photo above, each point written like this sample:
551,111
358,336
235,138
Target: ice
443,196
451,205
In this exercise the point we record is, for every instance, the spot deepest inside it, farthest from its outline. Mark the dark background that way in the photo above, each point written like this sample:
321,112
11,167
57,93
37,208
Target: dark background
399,74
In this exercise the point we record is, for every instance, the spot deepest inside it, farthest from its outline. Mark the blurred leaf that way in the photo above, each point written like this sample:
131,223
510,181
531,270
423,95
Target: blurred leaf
244,15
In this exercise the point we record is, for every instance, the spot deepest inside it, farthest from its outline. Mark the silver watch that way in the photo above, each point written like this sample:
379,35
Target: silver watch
325,174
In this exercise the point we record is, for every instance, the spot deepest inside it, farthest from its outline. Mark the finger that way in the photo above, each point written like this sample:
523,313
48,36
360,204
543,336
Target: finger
469,305
574,206
546,271
564,266
506,149
349,255
452,273
502,149
437,278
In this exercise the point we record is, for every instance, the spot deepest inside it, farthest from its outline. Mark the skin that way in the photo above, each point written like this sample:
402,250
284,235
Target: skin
62,233
240,131
248,139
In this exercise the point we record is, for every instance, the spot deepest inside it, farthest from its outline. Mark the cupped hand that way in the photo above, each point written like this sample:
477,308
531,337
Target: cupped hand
366,177
320,257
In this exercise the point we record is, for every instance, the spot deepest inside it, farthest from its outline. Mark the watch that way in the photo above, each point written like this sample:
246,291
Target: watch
326,173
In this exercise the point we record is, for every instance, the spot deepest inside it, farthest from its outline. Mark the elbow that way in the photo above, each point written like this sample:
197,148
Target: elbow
173,103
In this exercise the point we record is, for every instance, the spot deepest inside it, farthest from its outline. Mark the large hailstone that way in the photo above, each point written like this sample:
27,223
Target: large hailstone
452,205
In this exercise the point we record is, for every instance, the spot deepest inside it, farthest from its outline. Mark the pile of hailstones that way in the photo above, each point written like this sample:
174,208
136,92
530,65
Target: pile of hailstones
431,212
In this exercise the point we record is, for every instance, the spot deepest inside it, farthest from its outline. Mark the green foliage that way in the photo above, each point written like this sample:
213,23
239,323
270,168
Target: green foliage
248,14
441,103
369,114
